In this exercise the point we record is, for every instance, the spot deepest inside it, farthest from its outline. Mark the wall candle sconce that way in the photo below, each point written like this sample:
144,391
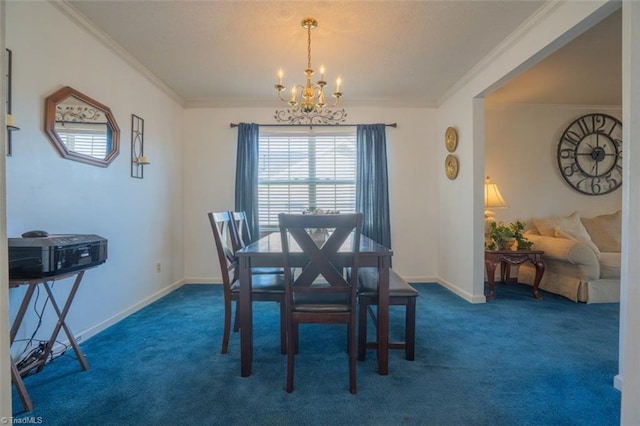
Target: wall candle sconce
138,159
9,119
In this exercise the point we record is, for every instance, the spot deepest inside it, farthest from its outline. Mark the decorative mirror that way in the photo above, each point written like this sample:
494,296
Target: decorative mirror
80,128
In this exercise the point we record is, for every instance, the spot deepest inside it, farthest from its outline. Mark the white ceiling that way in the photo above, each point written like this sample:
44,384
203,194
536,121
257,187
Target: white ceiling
410,53
586,71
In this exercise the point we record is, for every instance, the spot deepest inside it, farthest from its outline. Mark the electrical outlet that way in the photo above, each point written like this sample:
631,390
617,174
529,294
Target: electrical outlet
158,267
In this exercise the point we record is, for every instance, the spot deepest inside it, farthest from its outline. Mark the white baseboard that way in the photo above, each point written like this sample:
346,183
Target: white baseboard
420,280
206,280
92,331
617,382
61,346
462,293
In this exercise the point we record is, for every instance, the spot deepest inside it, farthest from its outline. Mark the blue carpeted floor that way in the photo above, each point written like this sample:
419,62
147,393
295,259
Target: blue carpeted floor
513,361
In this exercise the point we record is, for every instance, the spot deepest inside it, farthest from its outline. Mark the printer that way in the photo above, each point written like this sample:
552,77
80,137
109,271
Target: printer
42,257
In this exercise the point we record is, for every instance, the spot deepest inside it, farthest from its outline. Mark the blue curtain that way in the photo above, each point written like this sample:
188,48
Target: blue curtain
247,175
372,186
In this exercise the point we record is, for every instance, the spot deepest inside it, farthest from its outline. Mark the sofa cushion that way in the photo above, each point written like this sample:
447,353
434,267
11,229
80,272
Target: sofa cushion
605,231
609,265
570,224
561,233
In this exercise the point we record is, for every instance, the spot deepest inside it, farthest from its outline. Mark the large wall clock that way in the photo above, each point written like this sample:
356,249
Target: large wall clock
590,154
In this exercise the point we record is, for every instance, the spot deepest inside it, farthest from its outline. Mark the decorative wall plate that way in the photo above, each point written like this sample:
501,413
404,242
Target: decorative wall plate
451,166
451,139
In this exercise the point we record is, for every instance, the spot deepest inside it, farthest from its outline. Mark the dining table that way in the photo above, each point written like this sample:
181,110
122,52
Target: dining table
267,252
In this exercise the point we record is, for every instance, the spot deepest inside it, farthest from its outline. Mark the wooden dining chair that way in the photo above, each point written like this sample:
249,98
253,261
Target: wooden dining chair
243,239
400,293
264,287
310,299
242,225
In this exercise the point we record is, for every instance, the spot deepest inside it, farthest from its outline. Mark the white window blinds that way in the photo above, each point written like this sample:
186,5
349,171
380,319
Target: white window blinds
302,170
91,141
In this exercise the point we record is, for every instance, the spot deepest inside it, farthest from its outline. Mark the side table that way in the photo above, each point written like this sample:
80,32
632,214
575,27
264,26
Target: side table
512,257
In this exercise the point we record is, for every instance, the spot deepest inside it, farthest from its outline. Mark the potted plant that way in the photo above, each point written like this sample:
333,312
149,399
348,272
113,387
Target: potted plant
505,237
516,229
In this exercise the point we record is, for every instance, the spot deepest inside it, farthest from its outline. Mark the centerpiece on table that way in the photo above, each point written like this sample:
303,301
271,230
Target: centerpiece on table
319,235
507,237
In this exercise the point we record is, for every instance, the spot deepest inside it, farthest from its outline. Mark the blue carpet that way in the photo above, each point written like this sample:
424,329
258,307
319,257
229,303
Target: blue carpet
513,361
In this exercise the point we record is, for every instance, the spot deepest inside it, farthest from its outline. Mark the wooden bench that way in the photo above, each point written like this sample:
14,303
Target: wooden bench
400,293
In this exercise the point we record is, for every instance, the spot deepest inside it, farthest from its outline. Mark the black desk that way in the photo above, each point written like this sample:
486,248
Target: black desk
32,283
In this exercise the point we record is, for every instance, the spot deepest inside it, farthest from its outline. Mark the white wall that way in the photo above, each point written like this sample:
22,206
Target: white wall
520,157
210,152
142,219
5,374
629,312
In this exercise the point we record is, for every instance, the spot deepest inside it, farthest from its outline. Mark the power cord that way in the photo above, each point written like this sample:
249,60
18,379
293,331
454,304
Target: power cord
32,360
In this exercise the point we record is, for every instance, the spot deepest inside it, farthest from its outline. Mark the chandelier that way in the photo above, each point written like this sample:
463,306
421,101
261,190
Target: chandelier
307,103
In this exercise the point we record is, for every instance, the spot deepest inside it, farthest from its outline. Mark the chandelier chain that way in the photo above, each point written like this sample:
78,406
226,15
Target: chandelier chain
309,47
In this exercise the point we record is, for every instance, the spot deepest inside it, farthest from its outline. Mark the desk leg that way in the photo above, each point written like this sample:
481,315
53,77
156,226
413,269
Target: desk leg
246,318
536,282
491,271
383,316
62,324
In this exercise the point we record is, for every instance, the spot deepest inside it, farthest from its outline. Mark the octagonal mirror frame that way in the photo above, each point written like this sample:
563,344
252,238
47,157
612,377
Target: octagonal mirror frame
54,118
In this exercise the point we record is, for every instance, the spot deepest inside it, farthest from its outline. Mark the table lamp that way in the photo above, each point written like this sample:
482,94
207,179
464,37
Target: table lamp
492,199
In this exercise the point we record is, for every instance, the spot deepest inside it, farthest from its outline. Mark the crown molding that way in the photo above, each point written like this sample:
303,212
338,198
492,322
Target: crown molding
253,103
512,105
75,16
504,45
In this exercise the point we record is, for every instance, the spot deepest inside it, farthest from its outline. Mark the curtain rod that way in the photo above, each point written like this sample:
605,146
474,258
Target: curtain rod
232,125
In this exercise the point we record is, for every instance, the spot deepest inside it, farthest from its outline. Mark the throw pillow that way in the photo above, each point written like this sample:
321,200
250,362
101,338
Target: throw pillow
605,231
560,233
570,224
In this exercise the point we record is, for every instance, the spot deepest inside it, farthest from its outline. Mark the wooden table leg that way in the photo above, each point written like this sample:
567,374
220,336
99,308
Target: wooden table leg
383,316
539,272
491,271
246,318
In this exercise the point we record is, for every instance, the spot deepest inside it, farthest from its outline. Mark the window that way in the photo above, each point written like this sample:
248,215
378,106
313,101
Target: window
298,170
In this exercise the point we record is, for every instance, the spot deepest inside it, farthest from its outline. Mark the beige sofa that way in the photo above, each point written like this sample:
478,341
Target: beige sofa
582,257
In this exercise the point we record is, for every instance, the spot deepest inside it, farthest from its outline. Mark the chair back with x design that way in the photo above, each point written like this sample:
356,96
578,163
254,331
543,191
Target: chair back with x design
243,236
224,235
309,299
268,287
323,259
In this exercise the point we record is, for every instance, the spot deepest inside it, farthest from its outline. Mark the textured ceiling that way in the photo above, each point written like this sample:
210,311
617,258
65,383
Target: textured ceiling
227,53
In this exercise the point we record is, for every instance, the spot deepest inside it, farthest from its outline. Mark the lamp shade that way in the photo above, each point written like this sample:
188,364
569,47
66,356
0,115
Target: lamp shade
492,196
